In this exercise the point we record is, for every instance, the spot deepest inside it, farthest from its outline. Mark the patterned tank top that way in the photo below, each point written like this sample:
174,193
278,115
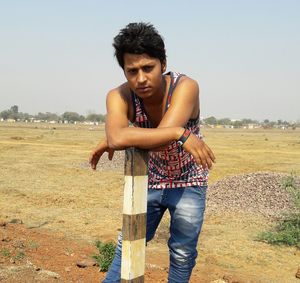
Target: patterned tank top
171,167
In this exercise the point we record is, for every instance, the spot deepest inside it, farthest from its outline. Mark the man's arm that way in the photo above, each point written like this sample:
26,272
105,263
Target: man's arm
98,152
185,100
184,104
120,135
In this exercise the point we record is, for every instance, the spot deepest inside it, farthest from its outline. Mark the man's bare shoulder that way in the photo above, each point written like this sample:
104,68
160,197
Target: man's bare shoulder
188,82
121,91
119,100
188,88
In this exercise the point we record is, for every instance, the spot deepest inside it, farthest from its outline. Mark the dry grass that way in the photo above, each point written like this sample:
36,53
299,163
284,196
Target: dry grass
45,180
242,151
45,177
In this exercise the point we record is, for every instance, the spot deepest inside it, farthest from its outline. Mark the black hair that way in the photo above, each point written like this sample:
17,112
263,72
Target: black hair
139,38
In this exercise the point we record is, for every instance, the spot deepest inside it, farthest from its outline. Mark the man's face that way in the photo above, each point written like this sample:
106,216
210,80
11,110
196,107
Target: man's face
144,74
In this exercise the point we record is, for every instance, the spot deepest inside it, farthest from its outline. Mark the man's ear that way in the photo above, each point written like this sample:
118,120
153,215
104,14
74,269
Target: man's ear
163,67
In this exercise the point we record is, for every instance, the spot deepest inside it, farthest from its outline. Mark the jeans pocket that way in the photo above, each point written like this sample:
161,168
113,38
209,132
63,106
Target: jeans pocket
199,191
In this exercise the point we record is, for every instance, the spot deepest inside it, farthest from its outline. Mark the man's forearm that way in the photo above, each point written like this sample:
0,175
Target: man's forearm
141,137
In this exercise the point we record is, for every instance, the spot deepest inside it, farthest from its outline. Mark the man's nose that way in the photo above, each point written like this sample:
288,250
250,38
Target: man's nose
141,78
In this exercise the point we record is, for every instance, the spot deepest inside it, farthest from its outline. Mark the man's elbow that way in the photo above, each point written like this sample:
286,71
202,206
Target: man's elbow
115,143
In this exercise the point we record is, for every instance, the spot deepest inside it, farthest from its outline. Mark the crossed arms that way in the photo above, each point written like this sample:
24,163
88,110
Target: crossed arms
184,105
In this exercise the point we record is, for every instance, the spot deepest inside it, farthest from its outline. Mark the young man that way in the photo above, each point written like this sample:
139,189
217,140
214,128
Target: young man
164,108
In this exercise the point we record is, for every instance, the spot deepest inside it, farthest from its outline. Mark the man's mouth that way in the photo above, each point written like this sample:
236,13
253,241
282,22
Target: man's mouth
143,89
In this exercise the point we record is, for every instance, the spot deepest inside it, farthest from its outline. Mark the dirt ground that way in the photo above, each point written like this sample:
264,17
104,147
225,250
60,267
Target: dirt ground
40,255
53,208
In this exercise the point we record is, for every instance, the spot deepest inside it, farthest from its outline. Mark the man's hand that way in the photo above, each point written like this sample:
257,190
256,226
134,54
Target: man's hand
202,154
97,153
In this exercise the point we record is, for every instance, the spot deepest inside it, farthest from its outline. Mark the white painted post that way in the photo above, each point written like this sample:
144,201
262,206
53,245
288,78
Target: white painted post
134,216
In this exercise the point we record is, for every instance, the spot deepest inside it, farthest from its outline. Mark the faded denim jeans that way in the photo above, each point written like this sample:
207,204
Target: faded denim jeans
186,207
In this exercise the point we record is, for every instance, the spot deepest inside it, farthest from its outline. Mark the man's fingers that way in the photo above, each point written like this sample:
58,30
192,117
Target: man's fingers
207,155
212,156
209,159
196,156
210,153
209,163
91,158
111,154
94,160
201,153
205,158
204,165
206,161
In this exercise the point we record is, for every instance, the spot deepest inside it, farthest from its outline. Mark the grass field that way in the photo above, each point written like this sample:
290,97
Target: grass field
45,180
45,167
243,150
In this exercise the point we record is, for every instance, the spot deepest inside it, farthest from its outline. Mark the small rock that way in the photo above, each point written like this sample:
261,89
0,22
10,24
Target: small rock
86,263
67,269
2,223
49,274
5,239
298,273
68,253
18,244
226,278
255,193
16,221
229,279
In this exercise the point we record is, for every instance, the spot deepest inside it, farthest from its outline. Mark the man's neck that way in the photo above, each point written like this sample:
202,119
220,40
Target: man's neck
158,97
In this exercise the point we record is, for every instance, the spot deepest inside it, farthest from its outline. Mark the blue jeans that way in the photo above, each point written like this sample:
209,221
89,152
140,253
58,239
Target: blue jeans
186,207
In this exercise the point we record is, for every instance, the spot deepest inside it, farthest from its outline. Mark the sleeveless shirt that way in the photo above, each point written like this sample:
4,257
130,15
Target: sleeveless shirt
171,167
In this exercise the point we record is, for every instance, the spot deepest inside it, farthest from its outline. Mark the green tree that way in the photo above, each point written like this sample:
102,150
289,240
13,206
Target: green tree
210,120
224,121
237,124
48,116
5,114
14,109
72,117
286,124
92,117
24,116
247,121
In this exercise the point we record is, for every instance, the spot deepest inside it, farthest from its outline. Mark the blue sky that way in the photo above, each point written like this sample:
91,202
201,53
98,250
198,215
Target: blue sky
57,56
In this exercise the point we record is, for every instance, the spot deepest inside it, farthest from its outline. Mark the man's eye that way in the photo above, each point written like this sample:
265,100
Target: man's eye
148,68
132,72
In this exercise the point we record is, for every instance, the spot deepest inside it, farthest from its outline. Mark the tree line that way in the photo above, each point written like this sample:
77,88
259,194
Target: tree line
71,117
213,121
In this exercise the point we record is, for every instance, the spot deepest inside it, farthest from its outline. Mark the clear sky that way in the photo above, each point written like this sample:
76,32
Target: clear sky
57,56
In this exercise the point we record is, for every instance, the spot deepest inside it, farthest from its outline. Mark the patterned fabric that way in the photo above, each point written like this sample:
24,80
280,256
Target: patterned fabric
171,167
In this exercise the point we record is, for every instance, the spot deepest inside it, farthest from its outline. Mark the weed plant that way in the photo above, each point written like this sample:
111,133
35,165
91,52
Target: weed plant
105,256
20,255
287,231
5,252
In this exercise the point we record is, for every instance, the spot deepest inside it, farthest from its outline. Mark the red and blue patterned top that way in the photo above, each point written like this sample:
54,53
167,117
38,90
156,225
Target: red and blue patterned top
171,167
